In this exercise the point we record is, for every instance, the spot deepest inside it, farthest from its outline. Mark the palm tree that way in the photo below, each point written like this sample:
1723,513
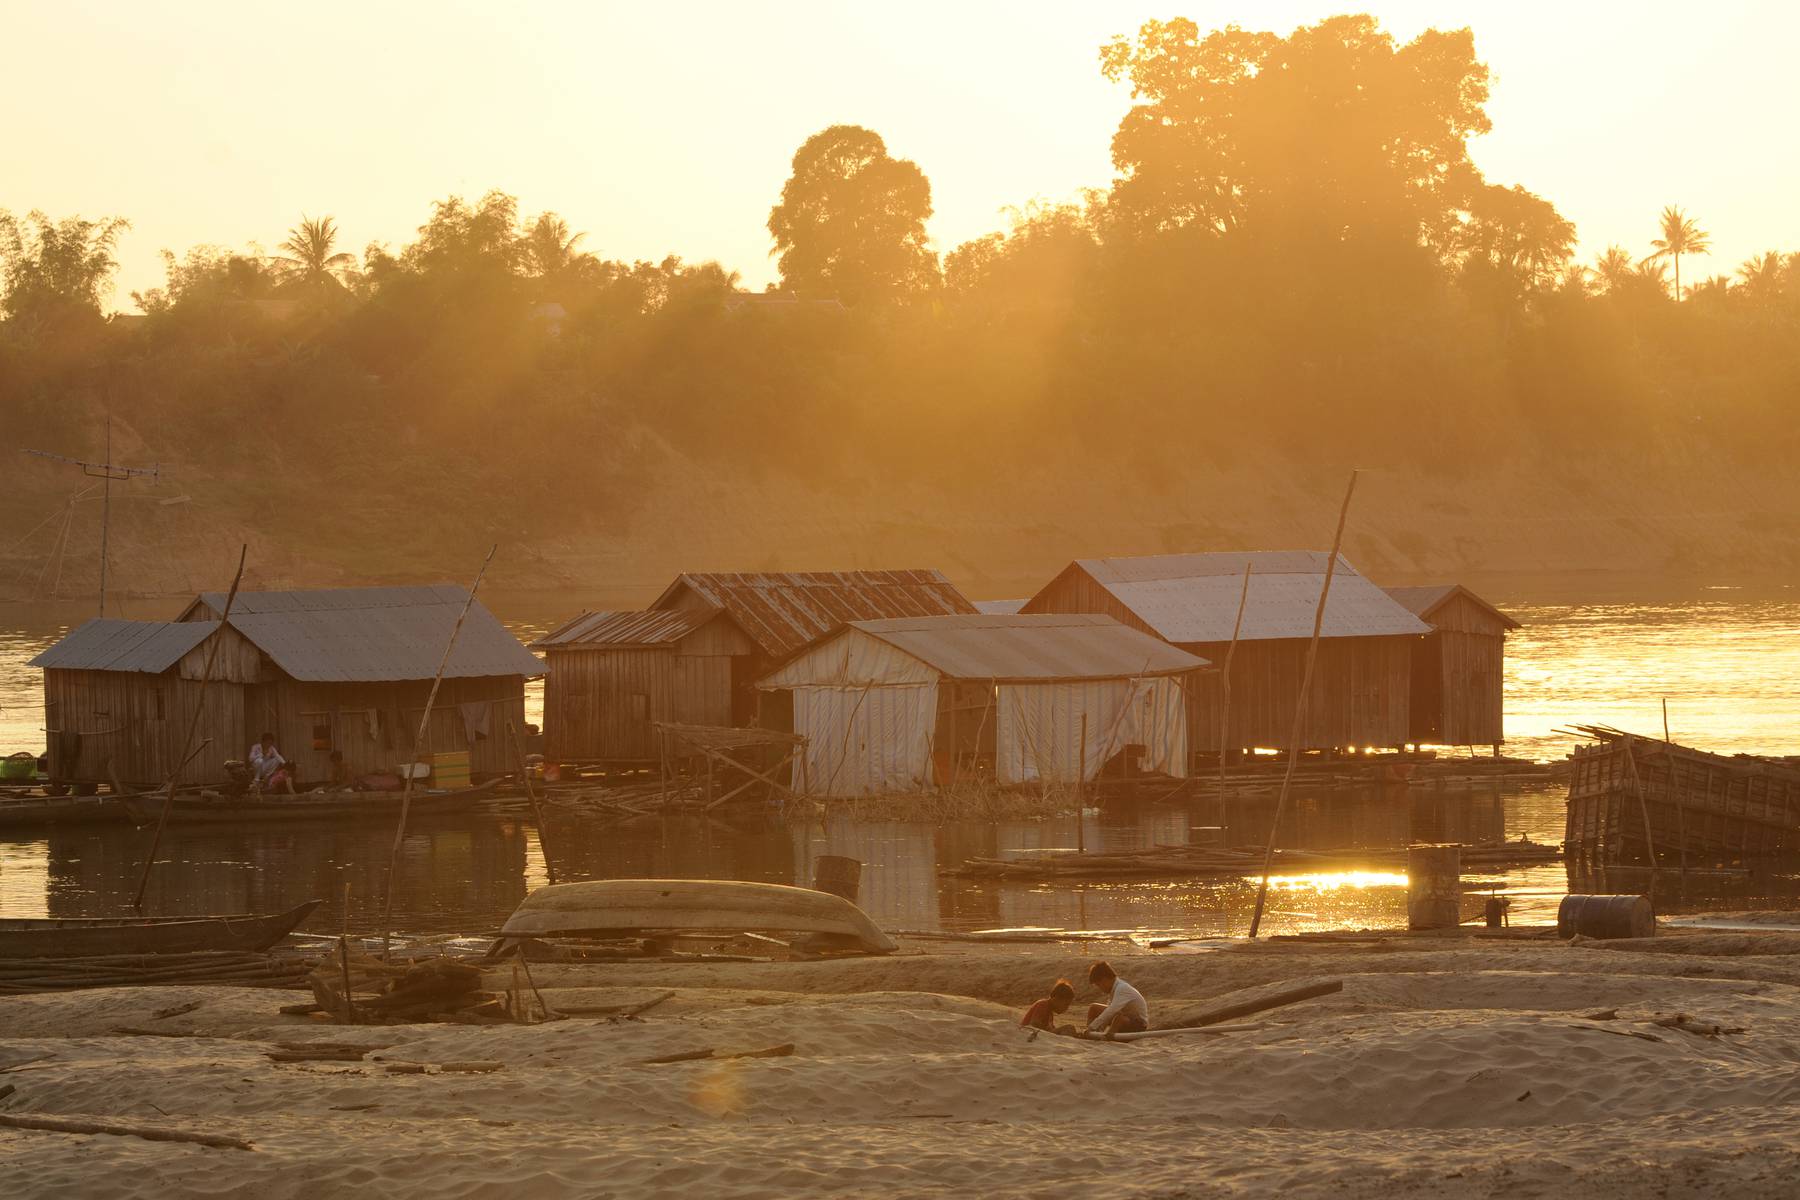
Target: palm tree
309,260
1614,268
551,247
1763,277
1680,235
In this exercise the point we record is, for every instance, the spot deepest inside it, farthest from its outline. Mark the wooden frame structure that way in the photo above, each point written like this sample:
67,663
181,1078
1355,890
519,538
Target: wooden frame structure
1644,801
722,749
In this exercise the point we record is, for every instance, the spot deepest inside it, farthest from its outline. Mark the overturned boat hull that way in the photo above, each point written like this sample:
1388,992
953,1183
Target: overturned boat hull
629,907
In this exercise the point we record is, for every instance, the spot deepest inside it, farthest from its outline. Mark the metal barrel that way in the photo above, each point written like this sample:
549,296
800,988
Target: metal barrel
838,875
1433,887
1605,917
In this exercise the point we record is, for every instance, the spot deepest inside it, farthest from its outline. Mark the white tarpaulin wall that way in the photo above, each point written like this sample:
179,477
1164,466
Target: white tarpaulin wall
862,740
1038,729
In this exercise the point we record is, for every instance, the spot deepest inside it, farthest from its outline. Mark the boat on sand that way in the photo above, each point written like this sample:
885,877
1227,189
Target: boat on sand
89,937
632,907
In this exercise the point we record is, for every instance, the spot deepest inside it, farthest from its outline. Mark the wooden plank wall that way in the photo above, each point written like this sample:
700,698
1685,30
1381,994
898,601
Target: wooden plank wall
1359,694
1460,671
138,723
600,702
291,709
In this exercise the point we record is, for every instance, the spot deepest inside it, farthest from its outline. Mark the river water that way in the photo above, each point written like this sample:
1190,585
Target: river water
1728,667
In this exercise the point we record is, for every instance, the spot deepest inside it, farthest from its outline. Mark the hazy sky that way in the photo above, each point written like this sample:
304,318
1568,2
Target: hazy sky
669,127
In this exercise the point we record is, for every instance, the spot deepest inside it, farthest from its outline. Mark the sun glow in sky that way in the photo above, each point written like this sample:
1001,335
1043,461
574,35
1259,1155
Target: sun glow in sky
668,128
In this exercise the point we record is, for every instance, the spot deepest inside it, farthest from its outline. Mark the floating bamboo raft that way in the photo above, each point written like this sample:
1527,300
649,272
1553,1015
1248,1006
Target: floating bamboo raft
1639,800
1171,862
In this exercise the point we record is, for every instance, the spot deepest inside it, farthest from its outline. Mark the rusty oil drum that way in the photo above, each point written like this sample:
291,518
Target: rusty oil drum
1605,917
838,875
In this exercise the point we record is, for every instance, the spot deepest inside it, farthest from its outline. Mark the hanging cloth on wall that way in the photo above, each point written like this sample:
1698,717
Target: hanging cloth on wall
476,719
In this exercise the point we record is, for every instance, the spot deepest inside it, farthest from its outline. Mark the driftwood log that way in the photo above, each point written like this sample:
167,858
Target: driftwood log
1244,1008
154,1133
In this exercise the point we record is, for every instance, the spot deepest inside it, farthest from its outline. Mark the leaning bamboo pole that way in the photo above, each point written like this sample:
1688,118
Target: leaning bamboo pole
1300,706
387,903
188,749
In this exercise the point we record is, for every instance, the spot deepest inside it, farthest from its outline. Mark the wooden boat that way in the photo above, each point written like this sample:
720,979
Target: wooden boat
88,937
215,809
629,907
27,812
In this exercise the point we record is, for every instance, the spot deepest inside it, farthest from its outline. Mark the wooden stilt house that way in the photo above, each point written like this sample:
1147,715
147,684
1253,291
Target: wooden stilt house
1363,679
693,658
1459,669
611,676
349,669
345,669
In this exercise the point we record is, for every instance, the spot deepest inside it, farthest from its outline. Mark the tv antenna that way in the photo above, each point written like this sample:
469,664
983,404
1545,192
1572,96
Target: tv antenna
107,471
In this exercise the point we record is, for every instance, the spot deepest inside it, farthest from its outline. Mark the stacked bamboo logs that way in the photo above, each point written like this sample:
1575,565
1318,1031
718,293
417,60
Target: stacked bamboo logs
1170,861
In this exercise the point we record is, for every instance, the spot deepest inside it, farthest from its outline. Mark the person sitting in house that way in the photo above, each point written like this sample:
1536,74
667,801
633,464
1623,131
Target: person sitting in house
270,768
1043,1014
1125,1010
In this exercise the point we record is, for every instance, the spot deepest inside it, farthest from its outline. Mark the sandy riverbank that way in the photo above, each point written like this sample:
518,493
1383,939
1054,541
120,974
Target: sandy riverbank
1456,1066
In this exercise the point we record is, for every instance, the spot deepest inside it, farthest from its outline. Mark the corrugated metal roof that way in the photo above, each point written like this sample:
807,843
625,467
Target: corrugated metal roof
104,644
364,635
1423,601
1043,646
783,611
1194,597
998,608
626,628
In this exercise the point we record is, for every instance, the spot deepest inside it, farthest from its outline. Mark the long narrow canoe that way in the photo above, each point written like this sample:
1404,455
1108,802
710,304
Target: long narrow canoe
307,806
26,812
629,907
86,937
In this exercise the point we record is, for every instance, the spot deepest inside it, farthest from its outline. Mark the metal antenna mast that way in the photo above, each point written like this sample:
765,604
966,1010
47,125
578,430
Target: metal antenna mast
107,471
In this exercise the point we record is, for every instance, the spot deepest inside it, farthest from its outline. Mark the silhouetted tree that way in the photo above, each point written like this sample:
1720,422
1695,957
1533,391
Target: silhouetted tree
550,250
1680,235
851,222
1331,132
56,270
311,261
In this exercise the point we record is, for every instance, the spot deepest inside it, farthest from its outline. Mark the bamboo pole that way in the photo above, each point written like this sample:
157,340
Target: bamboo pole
1080,788
537,811
1225,691
1300,706
387,903
187,746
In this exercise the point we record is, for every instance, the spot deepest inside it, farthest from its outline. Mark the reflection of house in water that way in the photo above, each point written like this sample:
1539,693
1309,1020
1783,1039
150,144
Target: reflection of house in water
464,873
676,848
899,873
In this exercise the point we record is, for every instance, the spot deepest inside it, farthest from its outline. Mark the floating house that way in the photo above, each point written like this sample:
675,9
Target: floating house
694,656
912,703
1459,668
611,676
1363,678
344,669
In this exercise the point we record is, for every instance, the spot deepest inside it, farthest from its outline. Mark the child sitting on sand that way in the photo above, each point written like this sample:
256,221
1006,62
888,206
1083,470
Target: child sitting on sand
1125,1011
1043,1014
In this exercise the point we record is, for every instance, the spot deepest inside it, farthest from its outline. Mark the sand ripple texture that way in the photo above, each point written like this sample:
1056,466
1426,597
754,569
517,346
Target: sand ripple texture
1485,1079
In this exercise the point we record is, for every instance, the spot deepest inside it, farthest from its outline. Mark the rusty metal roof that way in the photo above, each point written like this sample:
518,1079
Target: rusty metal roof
1189,598
366,635
626,628
1423,601
1045,646
783,611
105,644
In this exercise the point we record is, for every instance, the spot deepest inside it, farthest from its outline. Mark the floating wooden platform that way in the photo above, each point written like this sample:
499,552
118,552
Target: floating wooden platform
1644,801
1174,862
